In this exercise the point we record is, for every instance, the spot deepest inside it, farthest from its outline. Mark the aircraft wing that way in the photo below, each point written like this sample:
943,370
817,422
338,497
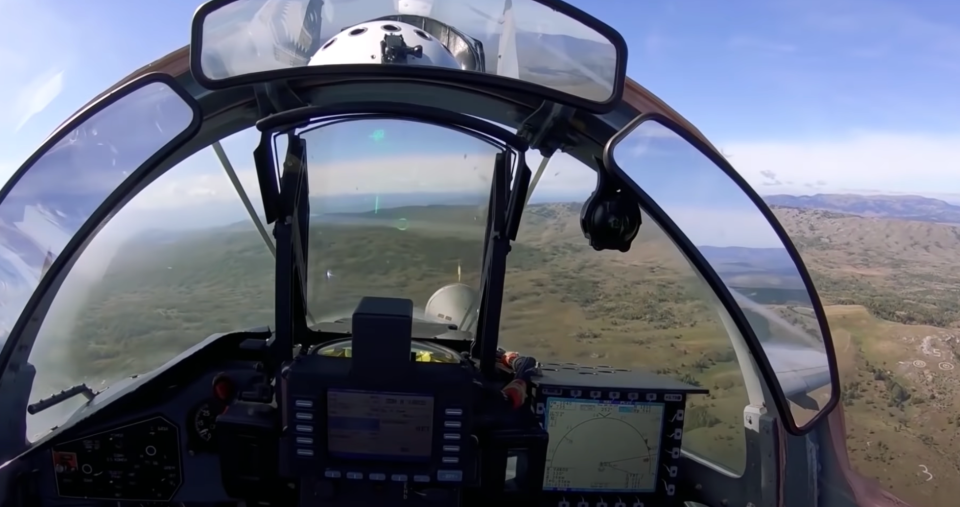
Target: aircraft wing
800,371
798,358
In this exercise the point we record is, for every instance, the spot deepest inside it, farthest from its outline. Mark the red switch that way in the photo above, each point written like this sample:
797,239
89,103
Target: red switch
223,387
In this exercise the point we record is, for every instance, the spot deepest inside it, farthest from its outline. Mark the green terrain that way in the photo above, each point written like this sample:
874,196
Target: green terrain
563,302
890,289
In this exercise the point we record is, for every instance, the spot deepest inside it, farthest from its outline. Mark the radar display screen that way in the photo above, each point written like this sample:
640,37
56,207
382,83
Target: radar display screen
602,446
379,426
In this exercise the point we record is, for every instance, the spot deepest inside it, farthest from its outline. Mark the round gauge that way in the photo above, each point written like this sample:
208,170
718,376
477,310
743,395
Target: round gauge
205,419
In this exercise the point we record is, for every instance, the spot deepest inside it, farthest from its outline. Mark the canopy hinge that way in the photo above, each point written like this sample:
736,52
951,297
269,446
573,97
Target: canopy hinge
548,128
275,97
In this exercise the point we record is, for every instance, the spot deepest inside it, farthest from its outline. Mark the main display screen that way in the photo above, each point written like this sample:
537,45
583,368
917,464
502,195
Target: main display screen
602,446
379,425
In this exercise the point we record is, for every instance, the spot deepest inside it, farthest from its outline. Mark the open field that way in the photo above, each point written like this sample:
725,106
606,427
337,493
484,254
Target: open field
895,317
901,397
890,283
902,270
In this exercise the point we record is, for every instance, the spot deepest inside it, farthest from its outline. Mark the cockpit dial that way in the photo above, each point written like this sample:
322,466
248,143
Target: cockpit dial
203,418
203,423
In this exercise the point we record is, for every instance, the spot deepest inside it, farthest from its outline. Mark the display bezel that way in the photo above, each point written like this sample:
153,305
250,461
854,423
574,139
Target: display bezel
671,439
418,459
656,455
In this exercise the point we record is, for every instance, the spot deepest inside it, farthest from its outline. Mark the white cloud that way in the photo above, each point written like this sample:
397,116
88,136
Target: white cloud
876,162
644,138
565,178
745,42
200,180
705,225
862,163
184,188
35,62
37,95
198,193
32,59
404,174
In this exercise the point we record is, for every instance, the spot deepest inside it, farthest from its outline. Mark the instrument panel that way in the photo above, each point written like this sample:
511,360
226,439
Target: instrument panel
139,462
590,436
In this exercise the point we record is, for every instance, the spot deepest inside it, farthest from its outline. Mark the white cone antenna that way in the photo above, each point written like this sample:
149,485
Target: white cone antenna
451,303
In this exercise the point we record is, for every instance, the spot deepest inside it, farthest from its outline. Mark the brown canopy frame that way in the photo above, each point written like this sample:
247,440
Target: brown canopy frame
865,492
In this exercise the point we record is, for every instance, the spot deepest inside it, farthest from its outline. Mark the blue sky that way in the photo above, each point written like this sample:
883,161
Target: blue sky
803,96
844,95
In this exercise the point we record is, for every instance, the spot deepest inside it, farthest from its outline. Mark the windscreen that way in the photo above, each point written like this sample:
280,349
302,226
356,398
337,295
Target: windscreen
397,209
521,39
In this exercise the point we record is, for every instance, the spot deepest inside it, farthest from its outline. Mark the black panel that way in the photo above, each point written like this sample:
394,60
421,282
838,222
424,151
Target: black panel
305,452
570,383
140,461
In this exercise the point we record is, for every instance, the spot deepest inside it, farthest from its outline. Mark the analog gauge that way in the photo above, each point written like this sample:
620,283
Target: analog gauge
205,420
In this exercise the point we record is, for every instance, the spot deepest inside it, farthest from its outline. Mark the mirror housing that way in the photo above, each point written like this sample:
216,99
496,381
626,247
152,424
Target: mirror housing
543,47
727,232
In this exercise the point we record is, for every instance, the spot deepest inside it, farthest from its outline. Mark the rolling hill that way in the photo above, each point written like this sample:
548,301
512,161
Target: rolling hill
892,286
900,269
908,207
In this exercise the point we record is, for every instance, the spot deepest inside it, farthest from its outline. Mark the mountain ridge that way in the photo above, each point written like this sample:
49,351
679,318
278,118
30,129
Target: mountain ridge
904,207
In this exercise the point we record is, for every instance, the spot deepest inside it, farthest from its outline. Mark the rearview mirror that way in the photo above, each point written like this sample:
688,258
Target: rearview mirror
721,224
546,46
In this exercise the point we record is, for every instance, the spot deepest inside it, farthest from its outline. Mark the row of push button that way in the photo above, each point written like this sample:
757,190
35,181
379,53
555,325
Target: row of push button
451,422
304,437
442,476
601,503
